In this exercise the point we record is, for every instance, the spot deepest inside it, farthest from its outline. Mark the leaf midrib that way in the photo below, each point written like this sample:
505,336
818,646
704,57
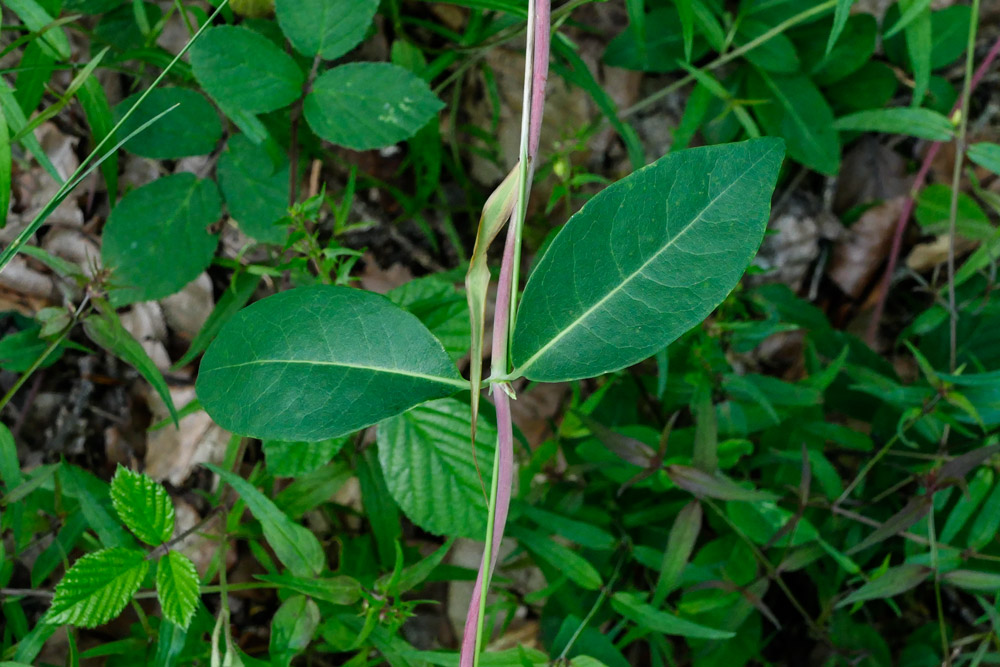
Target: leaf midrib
520,371
457,383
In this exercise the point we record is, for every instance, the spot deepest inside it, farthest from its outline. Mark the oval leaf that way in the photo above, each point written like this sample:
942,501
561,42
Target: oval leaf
192,129
427,460
318,362
256,190
327,28
369,105
645,260
243,70
143,506
164,225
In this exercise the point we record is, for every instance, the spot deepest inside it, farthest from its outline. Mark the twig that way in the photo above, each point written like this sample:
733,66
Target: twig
910,202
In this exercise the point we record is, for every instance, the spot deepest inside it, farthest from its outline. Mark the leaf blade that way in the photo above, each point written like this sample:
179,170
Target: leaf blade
177,588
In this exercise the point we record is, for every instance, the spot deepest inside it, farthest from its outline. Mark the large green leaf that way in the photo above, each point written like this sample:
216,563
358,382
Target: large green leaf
177,587
645,260
256,189
193,129
441,308
317,362
143,506
98,587
369,105
328,28
796,110
162,225
296,547
426,454
290,459
243,70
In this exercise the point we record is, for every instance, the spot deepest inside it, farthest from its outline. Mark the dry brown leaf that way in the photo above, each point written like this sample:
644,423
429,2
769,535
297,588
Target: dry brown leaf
186,311
858,257
172,453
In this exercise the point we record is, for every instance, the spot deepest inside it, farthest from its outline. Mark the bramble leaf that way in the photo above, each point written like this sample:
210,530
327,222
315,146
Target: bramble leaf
177,587
327,28
143,506
97,587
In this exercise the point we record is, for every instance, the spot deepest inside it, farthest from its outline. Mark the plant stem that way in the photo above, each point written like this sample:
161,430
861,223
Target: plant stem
956,177
908,205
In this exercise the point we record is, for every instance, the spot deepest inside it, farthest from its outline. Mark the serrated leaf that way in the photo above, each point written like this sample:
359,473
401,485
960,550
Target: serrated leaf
327,28
628,274
647,616
369,105
143,506
165,225
427,459
105,329
295,546
894,581
97,587
255,188
319,362
922,123
193,130
288,459
244,70
177,587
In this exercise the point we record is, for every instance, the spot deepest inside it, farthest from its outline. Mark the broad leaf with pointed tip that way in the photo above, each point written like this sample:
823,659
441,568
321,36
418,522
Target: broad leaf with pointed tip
645,260
98,587
327,28
318,362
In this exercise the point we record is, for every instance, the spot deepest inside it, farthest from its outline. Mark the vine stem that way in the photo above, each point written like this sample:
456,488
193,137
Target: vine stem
910,202
536,68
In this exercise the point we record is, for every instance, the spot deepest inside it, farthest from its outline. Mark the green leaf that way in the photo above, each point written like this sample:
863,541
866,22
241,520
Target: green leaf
6,169
918,46
230,302
177,587
840,16
427,459
318,362
922,123
292,628
894,581
797,111
649,617
685,11
289,459
255,188
986,155
244,70
775,55
851,53
680,545
97,587
911,13
973,581
967,504
628,274
703,484
94,102
987,522
53,39
143,506
162,225
441,308
105,329
562,559
295,546
327,28
658,48
335,590
193,130
369,105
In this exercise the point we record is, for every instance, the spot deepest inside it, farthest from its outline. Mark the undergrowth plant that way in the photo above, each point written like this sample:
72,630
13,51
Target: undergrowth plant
688,508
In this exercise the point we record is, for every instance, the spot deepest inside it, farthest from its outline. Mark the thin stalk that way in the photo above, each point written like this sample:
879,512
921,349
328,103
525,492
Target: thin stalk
956,177
932,535
732,55
909,204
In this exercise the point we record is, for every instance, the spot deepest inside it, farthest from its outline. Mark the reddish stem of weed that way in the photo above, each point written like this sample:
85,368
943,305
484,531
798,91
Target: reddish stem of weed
908,205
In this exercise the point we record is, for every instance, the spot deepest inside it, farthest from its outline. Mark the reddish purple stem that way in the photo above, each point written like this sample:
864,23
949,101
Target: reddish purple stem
543,38
908,205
